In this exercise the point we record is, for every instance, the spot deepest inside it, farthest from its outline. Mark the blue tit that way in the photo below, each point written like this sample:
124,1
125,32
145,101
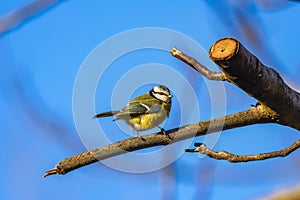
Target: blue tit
146,111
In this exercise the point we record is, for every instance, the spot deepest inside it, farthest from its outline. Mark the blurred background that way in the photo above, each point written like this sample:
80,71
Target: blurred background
42,46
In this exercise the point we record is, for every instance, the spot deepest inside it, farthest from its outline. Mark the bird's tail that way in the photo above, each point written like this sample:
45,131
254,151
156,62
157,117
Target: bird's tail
105,114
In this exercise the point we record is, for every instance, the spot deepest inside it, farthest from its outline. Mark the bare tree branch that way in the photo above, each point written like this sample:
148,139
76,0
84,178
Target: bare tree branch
263,83
279,104
243,69
256,115
217,76
224,155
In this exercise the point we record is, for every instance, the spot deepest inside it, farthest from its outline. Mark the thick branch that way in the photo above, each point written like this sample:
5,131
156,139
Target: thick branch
263,83
256,115
224,155
243,69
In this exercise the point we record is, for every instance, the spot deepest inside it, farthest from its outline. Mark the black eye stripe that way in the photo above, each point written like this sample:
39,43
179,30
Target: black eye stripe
161,93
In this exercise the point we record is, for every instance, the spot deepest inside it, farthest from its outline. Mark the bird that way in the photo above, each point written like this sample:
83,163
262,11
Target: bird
146,111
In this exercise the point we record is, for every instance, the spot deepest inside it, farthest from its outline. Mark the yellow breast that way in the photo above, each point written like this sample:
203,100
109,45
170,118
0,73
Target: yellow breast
148,121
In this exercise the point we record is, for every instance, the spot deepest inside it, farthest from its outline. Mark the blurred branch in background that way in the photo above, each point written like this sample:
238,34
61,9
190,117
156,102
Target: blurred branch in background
21,15
204,180
241,19
19,90
167,181
284,194
39,114
272,5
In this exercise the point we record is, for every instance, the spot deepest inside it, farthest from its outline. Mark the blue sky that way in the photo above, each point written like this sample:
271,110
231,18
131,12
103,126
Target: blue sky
41,58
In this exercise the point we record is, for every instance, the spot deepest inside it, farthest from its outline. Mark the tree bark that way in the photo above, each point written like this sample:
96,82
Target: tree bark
256,115
263,83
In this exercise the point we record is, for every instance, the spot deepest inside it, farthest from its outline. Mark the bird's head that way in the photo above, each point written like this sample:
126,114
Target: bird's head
162,93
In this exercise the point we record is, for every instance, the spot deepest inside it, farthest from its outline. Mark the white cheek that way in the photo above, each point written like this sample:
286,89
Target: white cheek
155,89
165,98
161,97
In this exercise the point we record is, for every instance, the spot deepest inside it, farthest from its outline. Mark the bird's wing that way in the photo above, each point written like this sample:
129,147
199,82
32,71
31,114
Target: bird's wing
137,108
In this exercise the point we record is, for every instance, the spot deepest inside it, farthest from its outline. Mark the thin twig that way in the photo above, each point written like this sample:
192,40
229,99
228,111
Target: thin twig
224,155
217,76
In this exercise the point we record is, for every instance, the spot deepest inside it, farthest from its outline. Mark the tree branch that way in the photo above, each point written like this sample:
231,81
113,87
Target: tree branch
217,76
243,69
224,155
279,104
263,83
256,115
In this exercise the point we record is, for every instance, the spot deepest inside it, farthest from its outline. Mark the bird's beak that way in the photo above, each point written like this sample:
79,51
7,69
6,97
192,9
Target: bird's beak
170,96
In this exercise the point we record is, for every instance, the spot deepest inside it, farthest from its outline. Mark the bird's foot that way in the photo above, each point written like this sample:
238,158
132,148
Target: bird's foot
139,136
164,132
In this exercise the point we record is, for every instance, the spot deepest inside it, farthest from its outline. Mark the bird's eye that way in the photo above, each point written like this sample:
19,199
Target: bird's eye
161,93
